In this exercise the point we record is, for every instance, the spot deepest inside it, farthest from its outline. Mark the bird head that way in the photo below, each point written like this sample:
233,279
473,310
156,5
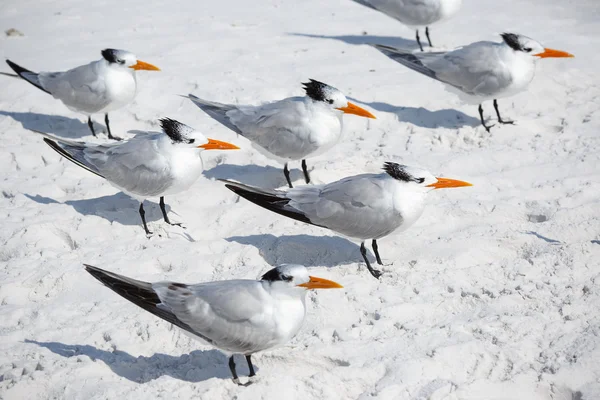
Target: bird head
420,179
186,136
333,98
528,46
125,59
291,276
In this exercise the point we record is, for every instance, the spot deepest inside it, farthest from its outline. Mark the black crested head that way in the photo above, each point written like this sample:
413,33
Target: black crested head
315,90
275,275
512,41
175,130
399,172
110,55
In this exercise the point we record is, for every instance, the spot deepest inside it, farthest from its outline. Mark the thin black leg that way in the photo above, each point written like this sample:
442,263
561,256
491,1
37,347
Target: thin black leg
487,127
427,34
250,367
110,136
286,172
91,125
419,40
305,170
164,212
363,251
143,215
498,114
376,251
232,369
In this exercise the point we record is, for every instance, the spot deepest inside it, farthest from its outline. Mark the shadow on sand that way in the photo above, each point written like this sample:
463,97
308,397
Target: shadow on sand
196,366
393,41
307,250
54,124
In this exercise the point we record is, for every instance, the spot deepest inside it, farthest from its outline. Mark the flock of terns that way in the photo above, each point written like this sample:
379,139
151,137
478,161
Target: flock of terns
248,316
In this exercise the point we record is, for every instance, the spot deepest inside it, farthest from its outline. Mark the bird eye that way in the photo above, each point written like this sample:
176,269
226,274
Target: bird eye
330,101
527,49
286,278
420,180
191,141
121,62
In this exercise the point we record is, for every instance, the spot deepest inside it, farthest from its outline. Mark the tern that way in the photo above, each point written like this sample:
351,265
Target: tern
415,13
290,129
235,316
367,206
98,87
147,165
480,71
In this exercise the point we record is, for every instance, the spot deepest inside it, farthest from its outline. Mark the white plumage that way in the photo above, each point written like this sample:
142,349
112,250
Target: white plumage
235,316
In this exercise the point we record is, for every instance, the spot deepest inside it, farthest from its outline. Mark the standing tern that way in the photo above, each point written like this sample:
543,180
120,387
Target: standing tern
290,129
147,165
368,206
415,13
98,87
480,71
235,316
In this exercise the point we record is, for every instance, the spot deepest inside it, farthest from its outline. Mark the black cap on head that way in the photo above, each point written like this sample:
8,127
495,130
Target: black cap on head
315,90
512,41
275,275
398,171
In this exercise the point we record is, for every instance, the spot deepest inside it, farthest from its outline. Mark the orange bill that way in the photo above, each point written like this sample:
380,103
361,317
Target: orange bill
547,53
320,283
356,110
218,145
144,65
443,183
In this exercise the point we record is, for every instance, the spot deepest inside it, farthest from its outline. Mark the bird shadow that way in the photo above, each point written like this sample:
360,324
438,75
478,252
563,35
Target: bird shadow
54,124
197,366
117,207
310,251
448,118
393,41
255,175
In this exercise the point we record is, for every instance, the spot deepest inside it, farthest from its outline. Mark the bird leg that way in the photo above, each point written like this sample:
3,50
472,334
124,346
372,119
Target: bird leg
164,212
427,34
363,251
91,125
487,127
143,215
286,172
236,379
305,170
419,40
110,136
376,251
498,114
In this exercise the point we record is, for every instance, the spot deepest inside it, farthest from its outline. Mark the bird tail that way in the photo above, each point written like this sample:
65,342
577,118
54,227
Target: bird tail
71,150
217,111
406,58
273,200
26,74
365,3
139,293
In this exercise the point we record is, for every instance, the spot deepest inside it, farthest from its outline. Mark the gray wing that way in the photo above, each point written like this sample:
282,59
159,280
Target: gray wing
81,88
408,59
135,166
231,314
357,206
216,111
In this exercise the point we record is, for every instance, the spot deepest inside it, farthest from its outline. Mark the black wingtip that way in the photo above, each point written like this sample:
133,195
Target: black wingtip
20,71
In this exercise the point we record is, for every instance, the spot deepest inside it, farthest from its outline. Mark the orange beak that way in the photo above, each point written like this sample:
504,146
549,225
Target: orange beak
554,54
320,283
144,65
218,145
356,110
443,183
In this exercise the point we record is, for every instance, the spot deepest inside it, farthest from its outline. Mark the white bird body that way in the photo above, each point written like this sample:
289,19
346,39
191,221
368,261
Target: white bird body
480,71
235,316
147,165
368,206
291,129
98,87
415,13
